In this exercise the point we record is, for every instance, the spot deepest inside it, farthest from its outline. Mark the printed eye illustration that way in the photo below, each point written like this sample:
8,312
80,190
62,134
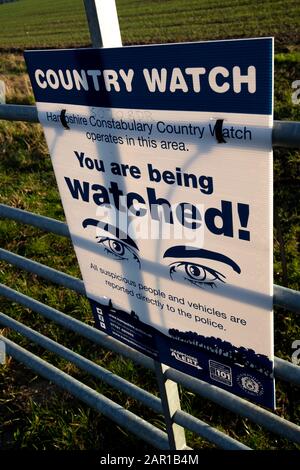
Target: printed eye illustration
117,249
197,274
124,248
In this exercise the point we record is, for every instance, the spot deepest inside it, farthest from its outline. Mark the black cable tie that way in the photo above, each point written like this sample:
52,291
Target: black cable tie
219,131
63,119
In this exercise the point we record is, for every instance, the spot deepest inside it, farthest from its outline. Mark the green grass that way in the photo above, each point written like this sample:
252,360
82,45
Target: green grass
33,413
60,23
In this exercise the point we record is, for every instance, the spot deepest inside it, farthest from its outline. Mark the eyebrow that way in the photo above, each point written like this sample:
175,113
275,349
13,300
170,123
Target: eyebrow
111,229
182,251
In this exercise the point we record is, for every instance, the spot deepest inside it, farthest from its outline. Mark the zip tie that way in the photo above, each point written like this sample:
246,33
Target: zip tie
219,131
63,119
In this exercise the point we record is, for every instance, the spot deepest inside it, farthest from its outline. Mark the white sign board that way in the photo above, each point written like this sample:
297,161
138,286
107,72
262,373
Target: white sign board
163,160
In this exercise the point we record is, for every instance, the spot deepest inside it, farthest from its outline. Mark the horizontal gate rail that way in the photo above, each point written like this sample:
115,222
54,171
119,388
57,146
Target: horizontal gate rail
283,297
287,298
51,274
19,112
285,133
105,406
283,369
287,371
36,220
238,405
146,398
223,398
78,327
204,430
83,363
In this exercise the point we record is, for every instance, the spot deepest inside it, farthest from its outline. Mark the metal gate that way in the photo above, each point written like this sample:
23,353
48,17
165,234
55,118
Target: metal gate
104,30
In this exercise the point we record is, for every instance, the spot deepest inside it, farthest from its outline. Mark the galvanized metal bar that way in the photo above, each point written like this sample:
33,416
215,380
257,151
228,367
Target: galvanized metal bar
83,363
286,134
107,34
18,112
149,400
103,23
245,409
93,23
287,298
283,297
43,271
39,221
77,326
101,338
287,371
237,405
104,13
210,433
283,370
146,398
124,418
170,401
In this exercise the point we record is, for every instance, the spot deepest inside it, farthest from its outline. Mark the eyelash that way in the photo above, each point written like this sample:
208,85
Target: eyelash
173,266
109,250
199,283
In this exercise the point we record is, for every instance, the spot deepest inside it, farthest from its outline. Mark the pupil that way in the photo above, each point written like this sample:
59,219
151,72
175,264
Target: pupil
195,271
117,246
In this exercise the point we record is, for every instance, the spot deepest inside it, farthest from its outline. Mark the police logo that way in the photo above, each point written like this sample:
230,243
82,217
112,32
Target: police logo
250,384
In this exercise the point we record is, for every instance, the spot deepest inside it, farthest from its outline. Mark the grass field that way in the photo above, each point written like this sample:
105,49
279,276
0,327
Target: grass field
58,23
34,414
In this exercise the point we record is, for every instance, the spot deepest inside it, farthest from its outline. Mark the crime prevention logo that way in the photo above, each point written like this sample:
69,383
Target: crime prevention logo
250,384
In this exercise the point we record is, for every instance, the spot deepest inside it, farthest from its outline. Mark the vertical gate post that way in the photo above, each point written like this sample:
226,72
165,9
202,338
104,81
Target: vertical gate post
104,29
171,403
103,23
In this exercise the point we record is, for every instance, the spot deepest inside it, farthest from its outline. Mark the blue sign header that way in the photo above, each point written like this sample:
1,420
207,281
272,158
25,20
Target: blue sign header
234,76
